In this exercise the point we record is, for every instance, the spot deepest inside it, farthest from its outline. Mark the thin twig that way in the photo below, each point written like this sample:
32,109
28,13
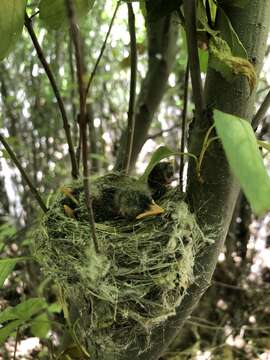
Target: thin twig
23,173
161,132
190,20
260,114
16,342
35,14
132,89
102,50
75,35
41,56
183,130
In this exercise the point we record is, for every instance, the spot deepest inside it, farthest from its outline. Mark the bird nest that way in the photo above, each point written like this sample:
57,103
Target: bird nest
134,284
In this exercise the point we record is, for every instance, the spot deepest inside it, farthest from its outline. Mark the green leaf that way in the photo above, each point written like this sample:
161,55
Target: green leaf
161,153
23,311
55,308
6,266
11,24
228,34
222,60
213,10
240,145
40,326
203,58
54,14
6,230
8,329
203,20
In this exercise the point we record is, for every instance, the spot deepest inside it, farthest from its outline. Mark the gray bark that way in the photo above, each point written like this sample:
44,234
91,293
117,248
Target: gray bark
214,199
162,39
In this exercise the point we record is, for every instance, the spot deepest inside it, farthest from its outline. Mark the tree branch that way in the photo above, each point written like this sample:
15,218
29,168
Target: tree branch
162,44
102,50
23,174
183,131
190,21
161,132
260,114
75,35
41,56
213,200
132,91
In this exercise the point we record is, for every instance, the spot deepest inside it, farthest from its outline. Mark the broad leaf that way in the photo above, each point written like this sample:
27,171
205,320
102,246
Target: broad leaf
222,60
161,153
54,13
40,326
245,160
228,34
8,329
6,267
23,311
11,24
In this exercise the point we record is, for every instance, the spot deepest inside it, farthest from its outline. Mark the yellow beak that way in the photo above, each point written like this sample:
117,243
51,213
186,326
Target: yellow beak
68,192
153,210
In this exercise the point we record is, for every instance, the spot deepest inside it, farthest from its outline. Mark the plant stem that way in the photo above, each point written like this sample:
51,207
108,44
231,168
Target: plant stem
183,132
75,35
261,111
190,20
132,90
23,173
161,132
16,342
41,56
102,50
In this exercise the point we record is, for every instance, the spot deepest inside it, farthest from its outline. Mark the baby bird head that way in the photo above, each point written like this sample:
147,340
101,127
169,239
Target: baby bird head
160,178
136,203
162,174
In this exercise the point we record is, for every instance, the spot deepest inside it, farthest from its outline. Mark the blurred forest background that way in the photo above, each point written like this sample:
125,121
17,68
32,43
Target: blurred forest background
232,320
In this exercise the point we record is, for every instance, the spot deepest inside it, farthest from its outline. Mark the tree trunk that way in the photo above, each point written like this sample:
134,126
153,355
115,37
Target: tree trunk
162,39
214,199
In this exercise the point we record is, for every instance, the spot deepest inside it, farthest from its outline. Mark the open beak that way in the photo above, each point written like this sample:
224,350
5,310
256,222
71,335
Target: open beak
154,209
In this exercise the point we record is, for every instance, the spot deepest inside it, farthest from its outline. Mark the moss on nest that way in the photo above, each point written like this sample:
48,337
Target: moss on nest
134,284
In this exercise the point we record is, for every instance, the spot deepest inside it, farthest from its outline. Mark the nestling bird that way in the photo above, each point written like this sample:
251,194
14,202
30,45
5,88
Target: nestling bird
160,178
113,196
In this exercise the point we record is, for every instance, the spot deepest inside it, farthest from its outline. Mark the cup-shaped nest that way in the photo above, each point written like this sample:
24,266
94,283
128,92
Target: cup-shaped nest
137,280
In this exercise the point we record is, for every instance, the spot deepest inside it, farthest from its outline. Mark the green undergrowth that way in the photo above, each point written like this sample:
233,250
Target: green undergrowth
136,282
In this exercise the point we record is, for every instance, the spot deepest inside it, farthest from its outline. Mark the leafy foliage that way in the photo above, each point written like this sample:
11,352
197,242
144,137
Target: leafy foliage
229,35
53,12
6,266
242,151
19,315
11,24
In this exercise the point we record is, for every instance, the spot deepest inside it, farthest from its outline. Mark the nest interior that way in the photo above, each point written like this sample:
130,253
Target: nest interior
137,280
